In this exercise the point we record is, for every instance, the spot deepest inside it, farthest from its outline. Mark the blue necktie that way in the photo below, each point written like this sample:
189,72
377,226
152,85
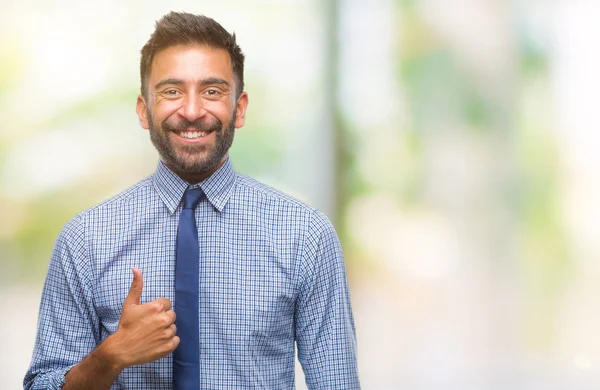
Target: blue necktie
186,358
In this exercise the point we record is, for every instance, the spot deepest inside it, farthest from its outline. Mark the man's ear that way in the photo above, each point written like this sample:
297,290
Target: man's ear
142,112
240,110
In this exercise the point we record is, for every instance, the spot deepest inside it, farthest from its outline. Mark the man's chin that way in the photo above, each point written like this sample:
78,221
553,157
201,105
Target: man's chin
192,166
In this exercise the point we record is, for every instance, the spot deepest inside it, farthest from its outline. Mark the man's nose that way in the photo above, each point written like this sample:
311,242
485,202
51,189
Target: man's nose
192,107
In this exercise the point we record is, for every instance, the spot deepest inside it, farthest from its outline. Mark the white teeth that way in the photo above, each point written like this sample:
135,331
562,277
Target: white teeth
193,134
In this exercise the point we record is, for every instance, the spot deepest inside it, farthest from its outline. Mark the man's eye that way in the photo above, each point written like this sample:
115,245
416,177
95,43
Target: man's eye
212,92
171,92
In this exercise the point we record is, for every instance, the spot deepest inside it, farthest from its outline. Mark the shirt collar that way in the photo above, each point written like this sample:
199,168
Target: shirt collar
217,188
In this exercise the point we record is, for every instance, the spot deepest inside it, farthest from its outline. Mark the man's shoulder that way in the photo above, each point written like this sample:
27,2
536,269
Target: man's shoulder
132,196
278,202
265,193
105,212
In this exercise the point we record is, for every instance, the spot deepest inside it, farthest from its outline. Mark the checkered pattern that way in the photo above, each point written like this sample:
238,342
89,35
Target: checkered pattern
271,275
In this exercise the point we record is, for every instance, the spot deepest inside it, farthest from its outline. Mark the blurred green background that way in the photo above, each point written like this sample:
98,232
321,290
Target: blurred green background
453,143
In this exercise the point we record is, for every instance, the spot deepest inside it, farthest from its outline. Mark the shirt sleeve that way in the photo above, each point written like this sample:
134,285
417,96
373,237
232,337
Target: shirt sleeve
68,327
325,333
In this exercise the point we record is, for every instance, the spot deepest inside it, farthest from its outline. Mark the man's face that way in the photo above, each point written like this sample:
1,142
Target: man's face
191,109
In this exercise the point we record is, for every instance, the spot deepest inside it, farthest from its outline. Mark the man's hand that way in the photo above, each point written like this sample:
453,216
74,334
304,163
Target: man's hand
146,332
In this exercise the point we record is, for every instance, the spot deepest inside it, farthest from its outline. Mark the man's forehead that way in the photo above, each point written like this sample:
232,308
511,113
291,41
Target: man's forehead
180,50
193,58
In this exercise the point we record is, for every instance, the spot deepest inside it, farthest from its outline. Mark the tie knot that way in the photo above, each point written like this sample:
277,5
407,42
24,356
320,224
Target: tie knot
191,197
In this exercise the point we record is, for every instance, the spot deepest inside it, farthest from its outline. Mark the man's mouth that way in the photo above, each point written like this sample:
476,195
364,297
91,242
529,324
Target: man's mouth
193,134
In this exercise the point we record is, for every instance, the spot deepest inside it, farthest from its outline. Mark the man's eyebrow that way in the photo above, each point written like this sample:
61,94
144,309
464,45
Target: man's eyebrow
213,81
162,83
202,83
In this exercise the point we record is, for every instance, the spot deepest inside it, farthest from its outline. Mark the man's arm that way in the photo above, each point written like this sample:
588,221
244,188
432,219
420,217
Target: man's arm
325,332
68,326
146,333
98,371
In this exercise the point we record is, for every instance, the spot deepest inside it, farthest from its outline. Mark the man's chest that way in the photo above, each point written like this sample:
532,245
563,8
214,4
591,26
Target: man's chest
247,273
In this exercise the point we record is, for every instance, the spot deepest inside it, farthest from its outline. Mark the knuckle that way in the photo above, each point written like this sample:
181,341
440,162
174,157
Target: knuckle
170,346
164,304
171,333
166,320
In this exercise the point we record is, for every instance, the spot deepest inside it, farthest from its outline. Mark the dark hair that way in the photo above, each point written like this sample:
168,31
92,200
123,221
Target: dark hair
180,28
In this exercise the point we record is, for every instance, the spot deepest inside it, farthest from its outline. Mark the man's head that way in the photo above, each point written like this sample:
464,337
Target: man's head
180,28
192,93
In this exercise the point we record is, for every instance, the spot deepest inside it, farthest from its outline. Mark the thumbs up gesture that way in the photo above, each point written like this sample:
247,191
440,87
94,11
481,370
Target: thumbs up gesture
146,332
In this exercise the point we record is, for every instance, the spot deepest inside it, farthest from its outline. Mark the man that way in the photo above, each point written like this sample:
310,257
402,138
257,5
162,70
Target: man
197,277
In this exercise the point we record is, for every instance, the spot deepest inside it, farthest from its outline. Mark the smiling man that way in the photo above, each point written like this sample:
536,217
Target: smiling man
197,277
194,100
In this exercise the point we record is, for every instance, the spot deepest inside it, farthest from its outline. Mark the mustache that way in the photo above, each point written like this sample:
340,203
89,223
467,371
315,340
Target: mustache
198,125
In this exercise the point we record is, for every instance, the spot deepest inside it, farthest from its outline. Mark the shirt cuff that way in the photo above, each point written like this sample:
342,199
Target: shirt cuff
52,380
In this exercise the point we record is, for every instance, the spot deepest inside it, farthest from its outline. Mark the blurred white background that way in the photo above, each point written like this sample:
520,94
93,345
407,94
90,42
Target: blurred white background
453,143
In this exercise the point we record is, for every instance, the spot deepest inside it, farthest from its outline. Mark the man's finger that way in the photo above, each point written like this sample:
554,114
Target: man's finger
164,302
135,291
172,314
176,340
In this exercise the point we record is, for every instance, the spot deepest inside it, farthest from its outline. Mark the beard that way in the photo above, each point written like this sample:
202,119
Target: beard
192,159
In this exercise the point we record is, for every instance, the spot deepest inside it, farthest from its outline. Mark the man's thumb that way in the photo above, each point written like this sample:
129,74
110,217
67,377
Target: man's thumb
135,291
